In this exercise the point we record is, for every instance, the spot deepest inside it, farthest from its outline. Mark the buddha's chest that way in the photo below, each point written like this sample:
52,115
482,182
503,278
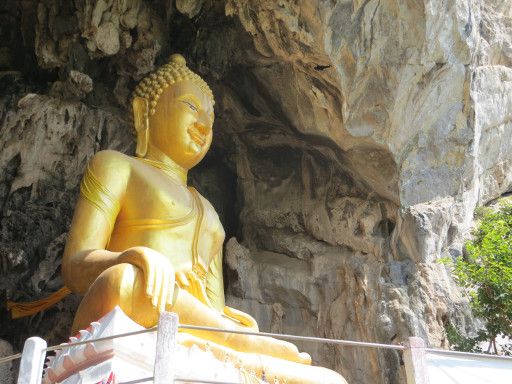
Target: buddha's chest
170,218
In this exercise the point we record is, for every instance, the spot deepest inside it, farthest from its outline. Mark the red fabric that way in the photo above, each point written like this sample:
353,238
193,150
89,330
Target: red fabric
111,379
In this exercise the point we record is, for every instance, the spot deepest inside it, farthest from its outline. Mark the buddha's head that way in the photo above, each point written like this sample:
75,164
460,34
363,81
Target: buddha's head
173,112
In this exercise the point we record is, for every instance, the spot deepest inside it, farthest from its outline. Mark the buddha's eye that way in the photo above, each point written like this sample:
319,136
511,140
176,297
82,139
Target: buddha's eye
191,106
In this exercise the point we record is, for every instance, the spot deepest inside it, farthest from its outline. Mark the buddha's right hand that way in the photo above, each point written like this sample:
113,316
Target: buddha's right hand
158,273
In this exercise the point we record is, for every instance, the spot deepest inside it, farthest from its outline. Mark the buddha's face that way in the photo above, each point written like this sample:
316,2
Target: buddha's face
181,126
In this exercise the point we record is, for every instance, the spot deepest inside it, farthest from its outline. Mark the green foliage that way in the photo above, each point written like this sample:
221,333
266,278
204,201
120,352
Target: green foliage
459,342
486,271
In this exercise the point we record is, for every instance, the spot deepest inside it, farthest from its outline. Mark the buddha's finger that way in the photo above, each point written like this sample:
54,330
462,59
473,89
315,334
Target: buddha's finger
163,294
150,277
170,289
157,287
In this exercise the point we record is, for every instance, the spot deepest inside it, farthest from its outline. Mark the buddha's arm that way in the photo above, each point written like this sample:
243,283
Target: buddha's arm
101,190
84,257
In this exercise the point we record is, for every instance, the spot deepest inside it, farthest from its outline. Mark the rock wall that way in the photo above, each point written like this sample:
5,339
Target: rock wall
352,142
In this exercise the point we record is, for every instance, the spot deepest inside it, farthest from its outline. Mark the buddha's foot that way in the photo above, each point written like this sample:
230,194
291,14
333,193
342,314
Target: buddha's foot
261,345
271,347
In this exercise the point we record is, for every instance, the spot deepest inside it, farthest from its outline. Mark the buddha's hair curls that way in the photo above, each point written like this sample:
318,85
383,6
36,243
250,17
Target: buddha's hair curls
152,86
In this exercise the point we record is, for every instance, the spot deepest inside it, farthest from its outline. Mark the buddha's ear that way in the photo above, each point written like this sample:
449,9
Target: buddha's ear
141,122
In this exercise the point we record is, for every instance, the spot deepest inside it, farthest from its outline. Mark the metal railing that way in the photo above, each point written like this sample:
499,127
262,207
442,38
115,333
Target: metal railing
298,338
9,358
35,349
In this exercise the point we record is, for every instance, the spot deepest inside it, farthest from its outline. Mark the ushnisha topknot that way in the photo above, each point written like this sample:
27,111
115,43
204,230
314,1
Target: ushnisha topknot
152,86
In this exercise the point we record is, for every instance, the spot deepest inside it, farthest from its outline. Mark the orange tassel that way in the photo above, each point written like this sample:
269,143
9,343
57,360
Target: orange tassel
31,308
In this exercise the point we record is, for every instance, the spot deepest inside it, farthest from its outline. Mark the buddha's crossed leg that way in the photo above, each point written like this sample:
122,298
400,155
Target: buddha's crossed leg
124,285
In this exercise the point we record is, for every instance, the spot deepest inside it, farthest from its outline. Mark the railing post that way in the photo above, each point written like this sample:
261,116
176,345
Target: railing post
32,361
415,361
165,348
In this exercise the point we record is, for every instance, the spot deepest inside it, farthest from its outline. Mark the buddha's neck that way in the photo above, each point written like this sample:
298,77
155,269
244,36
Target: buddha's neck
160,160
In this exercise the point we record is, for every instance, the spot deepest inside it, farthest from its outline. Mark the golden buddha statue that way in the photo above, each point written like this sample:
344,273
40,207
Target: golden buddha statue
142,240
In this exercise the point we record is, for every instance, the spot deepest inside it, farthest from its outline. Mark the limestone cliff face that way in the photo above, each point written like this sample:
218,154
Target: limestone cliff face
353,141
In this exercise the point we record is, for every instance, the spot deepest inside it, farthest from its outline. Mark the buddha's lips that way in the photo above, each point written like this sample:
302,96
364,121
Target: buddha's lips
196,136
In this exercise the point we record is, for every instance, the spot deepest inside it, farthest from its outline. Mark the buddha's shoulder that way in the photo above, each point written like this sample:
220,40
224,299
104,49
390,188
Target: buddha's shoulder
209,208
109,163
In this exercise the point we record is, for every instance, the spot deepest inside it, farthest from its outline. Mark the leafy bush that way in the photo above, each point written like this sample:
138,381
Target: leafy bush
485,272
459,342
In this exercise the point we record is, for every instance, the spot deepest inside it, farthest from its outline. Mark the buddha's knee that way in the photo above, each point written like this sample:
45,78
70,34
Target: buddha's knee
116,286
124,286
